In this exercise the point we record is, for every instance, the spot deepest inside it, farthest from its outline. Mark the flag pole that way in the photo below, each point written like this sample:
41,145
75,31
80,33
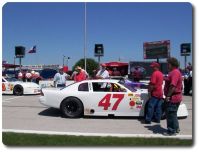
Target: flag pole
85,38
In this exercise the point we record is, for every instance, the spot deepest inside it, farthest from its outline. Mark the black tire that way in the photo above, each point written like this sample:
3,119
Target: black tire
72,107
18,90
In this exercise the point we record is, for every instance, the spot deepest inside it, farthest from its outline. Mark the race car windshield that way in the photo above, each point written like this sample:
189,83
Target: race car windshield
123,82
134,85
129,87
11,79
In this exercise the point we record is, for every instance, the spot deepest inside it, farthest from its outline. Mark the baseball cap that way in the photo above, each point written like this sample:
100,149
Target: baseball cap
155,64
60,68
78,68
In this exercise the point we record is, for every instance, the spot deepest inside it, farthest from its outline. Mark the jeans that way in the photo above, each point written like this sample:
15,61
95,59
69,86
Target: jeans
154,109
172,119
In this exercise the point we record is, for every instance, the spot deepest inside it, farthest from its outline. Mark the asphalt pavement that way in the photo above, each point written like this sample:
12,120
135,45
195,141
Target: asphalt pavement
26,114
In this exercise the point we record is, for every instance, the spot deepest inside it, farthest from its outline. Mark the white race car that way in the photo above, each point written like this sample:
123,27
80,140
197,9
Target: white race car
16,87
99,98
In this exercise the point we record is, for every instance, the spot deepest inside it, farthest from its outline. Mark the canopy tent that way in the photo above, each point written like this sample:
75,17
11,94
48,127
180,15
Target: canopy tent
116,68
114,64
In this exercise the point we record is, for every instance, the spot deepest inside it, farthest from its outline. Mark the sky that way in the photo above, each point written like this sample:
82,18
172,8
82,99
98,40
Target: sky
57,29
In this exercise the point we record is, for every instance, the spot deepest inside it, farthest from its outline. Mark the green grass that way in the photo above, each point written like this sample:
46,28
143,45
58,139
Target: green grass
20,139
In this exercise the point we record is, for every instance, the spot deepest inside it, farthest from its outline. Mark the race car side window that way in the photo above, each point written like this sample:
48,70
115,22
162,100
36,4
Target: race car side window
117,88
83,87
107,87
97,86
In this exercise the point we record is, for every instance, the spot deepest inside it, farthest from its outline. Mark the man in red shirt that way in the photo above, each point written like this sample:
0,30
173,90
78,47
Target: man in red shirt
80,75
154,107
173,93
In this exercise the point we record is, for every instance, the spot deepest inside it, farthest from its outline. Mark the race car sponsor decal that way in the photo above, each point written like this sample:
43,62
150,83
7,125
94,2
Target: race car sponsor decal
105,102
138,102
132,103
3,87
130,94
10,86
139,107
137,95
135,102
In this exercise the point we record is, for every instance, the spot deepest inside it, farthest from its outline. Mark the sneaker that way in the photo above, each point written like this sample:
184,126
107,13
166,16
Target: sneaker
156,121
147,122
178,130
169,133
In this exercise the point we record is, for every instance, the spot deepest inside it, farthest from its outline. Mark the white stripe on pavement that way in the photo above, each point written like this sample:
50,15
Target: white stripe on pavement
8,100
98,134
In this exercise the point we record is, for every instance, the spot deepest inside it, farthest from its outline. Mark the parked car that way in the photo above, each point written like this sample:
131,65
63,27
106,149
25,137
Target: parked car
16,87
99,98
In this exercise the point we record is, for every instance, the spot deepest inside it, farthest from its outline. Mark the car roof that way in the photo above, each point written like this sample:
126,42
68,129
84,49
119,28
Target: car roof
101,80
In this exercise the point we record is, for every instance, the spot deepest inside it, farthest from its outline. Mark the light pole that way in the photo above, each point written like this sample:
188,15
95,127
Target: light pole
14,63
63,59
85,39
67,58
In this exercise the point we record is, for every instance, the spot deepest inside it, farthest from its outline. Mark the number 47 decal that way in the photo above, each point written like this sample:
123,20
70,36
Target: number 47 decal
105,102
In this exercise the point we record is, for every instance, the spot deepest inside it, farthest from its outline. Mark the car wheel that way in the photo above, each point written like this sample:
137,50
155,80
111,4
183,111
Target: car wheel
18,90
72,107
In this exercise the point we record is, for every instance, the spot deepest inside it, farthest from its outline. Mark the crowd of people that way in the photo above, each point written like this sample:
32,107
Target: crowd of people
78,75
29,76
188,79
61,77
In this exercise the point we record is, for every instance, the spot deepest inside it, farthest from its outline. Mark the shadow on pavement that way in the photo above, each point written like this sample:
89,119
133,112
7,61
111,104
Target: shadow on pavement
156,129
52,112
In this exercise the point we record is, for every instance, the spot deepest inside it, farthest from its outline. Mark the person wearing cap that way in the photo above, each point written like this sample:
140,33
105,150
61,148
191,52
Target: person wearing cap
20,75
80,74
60,78
173,93
154,108
136,74
116,72
37,77
28,76
102,73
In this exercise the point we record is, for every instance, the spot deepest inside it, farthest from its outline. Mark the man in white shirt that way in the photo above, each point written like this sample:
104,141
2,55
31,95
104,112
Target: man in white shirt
60,78
102,73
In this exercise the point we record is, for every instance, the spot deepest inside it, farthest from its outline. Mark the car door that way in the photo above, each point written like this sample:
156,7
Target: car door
107,98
